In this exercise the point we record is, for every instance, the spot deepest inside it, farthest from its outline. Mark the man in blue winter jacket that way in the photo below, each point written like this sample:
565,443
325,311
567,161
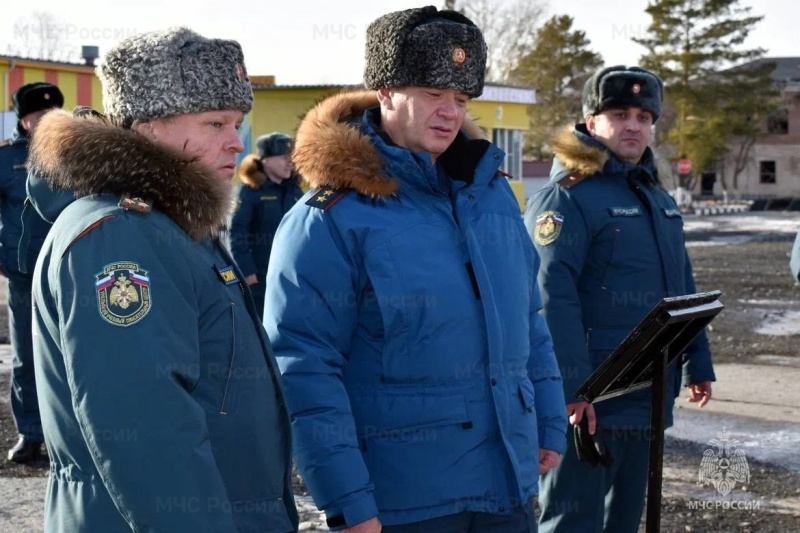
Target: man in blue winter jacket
612,245
161,402
31,102
402,301
269,189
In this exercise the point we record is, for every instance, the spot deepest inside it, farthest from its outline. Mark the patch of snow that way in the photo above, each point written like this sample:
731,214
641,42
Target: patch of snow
787,323
768,302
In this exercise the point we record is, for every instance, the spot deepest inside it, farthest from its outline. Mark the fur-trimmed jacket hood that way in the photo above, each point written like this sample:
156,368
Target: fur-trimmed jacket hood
80,156
579,154
331,149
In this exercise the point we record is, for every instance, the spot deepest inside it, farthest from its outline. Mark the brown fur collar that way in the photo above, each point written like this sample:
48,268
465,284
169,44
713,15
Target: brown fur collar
330,149
576,156
92,156
250,172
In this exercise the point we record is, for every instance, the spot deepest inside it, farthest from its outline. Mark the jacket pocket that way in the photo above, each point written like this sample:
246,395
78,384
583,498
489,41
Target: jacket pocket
391,415
420,449
527,395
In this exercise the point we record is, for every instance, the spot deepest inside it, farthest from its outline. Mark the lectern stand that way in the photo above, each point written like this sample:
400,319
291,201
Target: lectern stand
641,360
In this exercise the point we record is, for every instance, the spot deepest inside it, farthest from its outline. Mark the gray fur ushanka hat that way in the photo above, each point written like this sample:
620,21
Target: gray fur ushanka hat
425,47
621,87
173,72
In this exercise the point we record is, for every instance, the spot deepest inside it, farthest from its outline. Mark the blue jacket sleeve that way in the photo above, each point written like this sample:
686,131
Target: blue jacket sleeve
130,385
551,414
697,366
561,264
310,316
241,239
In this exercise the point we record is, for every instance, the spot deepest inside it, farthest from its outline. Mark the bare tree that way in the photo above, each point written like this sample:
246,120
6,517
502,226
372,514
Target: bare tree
509,28
40,36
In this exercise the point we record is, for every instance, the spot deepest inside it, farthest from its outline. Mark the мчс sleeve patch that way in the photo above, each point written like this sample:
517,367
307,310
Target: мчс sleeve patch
548,227
123,293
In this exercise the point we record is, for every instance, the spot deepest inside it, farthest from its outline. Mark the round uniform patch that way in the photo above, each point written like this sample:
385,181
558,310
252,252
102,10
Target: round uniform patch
123,293
548,227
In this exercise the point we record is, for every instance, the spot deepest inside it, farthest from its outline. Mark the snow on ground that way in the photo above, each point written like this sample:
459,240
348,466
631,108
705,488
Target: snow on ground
758,221
781,323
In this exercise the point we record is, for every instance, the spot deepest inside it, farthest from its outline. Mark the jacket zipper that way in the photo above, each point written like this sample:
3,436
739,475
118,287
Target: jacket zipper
233,357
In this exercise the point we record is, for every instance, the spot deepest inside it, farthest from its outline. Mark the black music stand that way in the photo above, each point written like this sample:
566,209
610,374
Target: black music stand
641,360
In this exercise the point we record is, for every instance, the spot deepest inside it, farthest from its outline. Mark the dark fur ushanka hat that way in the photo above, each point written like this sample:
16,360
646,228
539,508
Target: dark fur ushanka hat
173,72
36,97
425,47
621,87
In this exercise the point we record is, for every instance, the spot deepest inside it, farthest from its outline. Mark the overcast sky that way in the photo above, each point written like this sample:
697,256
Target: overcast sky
322,41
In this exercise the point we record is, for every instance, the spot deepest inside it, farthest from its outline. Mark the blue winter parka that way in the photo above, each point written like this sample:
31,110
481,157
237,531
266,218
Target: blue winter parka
612,245
13,173
403,310
260,206
161,403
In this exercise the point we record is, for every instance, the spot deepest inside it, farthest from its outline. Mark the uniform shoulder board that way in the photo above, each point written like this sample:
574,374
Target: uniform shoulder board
134,204
5,142
325,197
572,180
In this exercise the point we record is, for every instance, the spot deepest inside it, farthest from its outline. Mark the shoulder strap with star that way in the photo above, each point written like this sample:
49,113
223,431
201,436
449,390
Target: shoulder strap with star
326,197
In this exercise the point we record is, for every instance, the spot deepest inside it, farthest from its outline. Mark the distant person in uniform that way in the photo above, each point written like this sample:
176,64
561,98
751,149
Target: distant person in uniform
612,245
161,402
31,102
269,189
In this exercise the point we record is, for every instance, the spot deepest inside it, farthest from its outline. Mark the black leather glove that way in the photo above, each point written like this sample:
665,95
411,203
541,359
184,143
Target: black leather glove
591,448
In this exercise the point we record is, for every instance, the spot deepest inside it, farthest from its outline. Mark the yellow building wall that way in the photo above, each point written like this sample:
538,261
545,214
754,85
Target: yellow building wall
491,115
97,94
68,83
281,109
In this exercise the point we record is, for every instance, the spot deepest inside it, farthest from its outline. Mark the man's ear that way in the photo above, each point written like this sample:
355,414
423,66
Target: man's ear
146,129
385,98
590,124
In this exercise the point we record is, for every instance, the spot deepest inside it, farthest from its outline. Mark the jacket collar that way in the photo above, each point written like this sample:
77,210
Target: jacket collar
19,135
339,144
82,156
577,152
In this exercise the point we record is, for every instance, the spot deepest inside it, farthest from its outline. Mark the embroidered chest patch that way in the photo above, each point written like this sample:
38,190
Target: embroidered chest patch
548,227
632,211
123,293
227,275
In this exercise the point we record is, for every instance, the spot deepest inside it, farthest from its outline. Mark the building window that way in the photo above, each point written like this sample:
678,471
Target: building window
510,141
778,122
766,171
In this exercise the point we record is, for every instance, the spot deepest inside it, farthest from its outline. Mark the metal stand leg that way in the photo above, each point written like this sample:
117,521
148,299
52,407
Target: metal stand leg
657,421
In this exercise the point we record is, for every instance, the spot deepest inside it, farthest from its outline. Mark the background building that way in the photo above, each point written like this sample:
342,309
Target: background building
773,168
501,111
